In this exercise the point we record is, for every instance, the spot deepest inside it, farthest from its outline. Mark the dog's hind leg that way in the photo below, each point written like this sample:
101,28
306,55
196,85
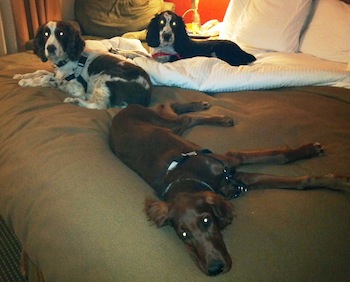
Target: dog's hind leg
165,116
278,156
85,104
255,181
184,122
175,109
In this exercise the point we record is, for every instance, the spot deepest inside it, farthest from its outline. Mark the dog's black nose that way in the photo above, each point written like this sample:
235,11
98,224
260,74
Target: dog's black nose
51,48
167,36
215,268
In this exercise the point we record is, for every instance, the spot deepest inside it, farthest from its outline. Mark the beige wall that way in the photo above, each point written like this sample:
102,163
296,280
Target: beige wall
67,7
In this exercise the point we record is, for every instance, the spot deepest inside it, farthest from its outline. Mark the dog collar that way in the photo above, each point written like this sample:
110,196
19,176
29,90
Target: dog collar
162,54
205,185
78,71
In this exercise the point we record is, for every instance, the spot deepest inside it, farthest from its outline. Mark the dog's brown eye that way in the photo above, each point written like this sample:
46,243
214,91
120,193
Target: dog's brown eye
46,34
162,22
173,23
184,235
206,221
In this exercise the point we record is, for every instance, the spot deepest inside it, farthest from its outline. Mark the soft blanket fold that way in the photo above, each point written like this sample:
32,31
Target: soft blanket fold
271,70
214,75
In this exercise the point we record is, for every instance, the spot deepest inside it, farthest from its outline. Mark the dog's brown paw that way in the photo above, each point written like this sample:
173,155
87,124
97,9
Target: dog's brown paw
205,105
199,106
339,182
311,150
227,121
318,149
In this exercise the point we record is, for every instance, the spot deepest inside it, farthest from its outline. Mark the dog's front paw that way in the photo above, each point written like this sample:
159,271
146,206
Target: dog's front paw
227,121
24,82
18,76
71,100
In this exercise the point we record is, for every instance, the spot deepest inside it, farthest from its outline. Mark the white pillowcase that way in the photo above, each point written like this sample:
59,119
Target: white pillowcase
234,10
266,24
328,35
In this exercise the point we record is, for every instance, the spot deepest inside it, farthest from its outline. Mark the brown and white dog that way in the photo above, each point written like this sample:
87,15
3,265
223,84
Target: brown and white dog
167,35
194,184
94,80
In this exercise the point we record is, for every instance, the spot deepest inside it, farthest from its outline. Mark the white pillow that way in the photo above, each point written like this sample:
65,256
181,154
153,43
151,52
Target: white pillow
266,24
234,10
328,35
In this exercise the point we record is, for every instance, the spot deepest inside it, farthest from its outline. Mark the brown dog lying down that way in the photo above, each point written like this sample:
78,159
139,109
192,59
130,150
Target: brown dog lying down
193,183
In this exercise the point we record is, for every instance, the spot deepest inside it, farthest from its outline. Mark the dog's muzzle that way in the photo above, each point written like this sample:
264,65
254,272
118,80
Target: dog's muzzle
167,36
215,268
51,49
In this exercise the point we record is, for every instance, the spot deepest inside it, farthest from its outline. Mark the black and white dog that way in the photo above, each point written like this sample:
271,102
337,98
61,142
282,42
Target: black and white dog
166,34
94,80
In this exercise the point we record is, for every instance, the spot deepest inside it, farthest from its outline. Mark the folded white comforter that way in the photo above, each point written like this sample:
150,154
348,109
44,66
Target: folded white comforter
270,70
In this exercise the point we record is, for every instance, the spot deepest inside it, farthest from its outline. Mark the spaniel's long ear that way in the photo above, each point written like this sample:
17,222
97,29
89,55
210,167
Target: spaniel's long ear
152,36
39,44
76,43
181,33
222,208
157,211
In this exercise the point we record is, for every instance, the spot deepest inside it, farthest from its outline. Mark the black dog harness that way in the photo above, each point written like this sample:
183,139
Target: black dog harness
78,70
228,176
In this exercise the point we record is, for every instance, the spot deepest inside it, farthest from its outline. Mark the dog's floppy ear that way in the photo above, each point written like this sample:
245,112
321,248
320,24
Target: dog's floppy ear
222,208
152,36
39,44
76,43
157,211
181,33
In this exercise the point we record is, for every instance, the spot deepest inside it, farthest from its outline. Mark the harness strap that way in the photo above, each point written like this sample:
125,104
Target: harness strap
184,156
241,187
78,70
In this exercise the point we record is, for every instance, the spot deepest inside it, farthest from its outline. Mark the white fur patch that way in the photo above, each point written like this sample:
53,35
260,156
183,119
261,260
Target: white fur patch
167,31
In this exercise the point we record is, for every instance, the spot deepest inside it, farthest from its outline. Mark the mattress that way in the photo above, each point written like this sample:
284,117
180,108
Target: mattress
77,210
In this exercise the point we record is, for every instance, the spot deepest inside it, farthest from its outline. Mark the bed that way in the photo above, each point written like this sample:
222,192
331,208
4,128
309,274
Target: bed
77,210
